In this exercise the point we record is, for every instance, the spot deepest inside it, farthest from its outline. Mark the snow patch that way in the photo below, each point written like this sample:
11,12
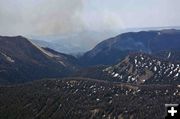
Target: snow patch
116,75
155,68
44,51
8,58
176,75
135,61
169,55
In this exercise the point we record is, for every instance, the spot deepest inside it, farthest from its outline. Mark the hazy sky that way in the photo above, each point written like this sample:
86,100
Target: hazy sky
64,17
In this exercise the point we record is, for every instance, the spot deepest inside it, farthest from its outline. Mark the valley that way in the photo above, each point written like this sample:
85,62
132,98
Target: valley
130,76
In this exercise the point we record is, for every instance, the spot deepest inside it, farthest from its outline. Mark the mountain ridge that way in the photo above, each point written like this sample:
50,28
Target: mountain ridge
21,61
119,46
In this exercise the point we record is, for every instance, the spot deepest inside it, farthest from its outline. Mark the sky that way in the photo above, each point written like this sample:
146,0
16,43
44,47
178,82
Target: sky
56,19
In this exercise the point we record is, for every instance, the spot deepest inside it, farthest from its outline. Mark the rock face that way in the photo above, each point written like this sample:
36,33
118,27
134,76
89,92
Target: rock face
140,68
21,61
114,49
82,98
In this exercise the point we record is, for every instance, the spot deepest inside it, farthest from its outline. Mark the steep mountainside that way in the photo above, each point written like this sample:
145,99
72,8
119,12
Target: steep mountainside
173,56
67,61
21,60
136,68
145,69
85,99
114,49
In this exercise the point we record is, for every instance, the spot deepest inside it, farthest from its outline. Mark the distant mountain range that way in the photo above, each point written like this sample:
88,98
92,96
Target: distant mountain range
73,43
60,47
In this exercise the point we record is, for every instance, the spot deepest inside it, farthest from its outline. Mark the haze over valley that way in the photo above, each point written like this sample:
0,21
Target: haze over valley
82,59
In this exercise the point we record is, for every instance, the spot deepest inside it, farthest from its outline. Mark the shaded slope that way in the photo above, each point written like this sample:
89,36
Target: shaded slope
21,60
113,49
